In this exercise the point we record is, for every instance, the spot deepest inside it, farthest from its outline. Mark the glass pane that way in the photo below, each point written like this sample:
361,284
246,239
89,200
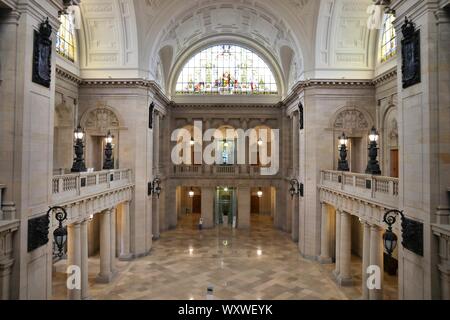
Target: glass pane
225,70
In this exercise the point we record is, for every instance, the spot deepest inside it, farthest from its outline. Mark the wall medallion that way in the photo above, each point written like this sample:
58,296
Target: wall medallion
410,54
42,55
38,232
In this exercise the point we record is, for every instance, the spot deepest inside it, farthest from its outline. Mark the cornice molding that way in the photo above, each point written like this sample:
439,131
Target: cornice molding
385,77
326,83
67,75
127,83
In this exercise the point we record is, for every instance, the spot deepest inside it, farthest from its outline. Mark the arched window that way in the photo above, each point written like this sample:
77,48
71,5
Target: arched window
226,70
388,44
65,39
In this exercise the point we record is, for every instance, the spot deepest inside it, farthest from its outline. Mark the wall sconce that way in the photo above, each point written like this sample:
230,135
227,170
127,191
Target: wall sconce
260,193
191,193
60,233
155,187
343,163
296,188
260,142
108,163
412,233
78,161
373,166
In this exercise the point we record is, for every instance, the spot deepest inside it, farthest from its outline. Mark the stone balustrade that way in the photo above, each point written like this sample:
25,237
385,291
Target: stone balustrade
72,186
216,170
379,190
7,230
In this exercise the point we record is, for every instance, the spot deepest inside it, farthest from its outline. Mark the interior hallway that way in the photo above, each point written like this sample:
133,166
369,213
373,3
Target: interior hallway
260,263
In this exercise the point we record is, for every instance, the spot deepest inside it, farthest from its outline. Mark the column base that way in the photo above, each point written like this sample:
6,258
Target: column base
344,282
336,274
156,237
325,260
101,278
126,257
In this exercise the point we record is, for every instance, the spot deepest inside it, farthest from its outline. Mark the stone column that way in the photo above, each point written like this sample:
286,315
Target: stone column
325,237
365,260
345,253
84,260
105,275
113,240
74,255
208,207
244,198
295,143
376,259
125,253
338,246
155,218
295,218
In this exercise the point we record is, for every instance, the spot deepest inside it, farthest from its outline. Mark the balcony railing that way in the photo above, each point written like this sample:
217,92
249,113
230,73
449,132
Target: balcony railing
216,170
383,190
71,186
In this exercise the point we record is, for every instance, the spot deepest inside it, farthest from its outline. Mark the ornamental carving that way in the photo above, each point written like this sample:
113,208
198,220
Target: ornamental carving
351,119
101,119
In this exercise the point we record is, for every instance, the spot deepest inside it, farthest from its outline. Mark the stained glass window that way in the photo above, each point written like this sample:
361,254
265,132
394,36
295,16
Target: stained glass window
65,40
226,70
388,45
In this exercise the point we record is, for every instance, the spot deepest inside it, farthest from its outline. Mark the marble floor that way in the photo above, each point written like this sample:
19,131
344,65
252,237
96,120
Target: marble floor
260,263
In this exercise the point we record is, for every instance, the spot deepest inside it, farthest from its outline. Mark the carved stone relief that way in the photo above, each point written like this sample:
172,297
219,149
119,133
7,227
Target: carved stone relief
101,120
351,119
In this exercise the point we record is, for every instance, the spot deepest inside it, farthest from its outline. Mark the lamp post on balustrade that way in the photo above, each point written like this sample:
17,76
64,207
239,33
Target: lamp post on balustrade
108,163
78,162
373,166
343,162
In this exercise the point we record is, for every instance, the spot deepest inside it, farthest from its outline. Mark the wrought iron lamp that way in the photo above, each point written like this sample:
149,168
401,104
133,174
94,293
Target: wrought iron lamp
389,238
412,233
154,188
191,193
343,162
295,188
373,166
108,163
78,162
60,233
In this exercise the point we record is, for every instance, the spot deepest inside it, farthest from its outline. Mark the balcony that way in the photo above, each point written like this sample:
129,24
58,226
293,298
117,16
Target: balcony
69,187
216,171
375,189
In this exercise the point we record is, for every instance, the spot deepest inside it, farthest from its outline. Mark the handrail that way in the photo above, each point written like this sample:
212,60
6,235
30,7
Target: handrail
378,188
73,185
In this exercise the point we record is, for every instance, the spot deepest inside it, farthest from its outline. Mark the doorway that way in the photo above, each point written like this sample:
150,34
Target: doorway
394,163
225,206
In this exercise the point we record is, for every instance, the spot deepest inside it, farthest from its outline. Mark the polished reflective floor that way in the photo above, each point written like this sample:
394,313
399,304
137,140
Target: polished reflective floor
260,263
